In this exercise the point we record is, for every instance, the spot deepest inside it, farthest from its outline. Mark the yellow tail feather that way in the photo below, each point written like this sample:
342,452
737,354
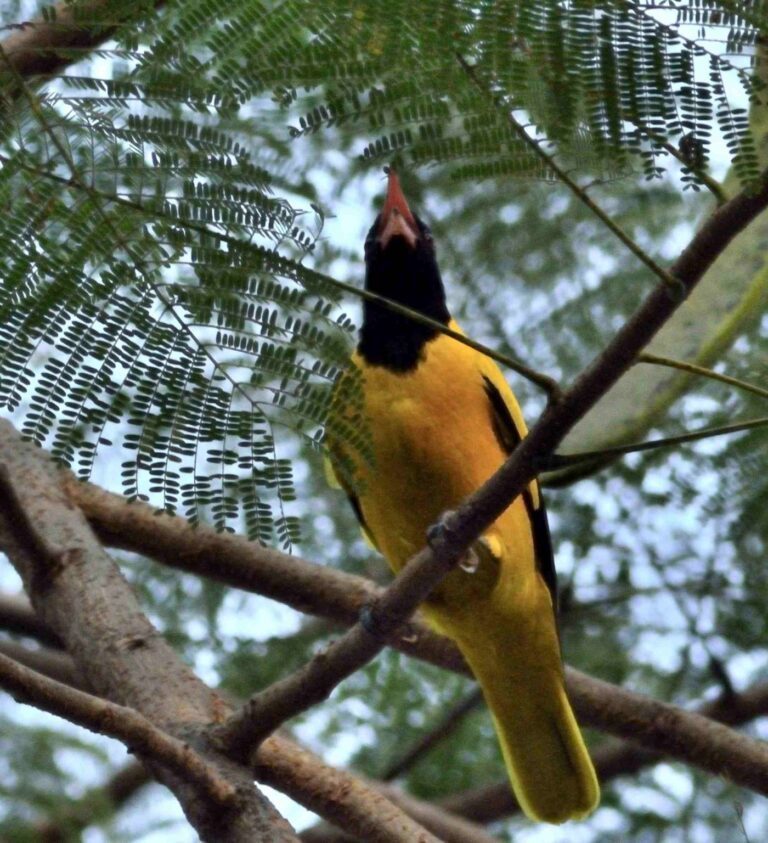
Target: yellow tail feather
548,764
518,667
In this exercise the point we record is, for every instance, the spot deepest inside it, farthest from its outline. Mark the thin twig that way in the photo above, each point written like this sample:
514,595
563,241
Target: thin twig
695,369
314,681
443,729
115,721
713,186
668,278
557,461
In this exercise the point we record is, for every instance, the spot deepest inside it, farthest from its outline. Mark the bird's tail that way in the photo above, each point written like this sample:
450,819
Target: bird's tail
548,764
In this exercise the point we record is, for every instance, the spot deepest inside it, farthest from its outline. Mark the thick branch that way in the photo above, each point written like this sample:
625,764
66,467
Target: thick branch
115,721
241,564
16,615
43,47
685,736
340,798
448,827
78,592
224,557
336,796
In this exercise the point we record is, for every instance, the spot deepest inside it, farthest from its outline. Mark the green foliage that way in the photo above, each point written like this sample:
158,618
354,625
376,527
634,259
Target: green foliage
166,306
153,278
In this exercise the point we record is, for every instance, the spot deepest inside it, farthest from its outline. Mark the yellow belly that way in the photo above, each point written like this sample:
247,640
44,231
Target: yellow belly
433,444
432,439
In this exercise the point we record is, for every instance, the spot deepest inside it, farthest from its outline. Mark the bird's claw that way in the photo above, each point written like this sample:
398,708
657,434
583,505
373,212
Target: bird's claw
370,622
437,531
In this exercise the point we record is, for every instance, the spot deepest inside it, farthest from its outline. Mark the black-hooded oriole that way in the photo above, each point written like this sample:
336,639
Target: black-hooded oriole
440,420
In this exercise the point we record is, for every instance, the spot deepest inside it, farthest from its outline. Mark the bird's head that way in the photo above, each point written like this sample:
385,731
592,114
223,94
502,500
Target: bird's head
397,233
400,256
400,264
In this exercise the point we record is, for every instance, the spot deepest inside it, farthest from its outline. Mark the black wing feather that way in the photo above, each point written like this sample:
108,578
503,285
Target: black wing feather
509,438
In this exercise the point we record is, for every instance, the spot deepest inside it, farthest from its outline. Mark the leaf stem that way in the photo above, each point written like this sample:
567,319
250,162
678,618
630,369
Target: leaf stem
303,274
557,461
580,193
694,369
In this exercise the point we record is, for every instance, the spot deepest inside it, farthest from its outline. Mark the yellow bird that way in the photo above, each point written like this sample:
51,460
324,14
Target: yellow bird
440,419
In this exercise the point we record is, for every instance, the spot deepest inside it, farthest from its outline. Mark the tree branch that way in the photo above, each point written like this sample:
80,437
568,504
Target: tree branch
115,721
448,827
342,799
701,371
78,592
314,681
335,795
53,663
443,729
484,805
45,46
16,615
341,596
558,461
579,192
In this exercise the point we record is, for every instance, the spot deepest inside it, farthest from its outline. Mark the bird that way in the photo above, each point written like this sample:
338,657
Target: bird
438,419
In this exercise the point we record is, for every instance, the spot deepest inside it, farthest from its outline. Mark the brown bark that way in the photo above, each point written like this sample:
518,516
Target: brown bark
78,592
484,804
449,827
345,800
116,721
43,47
599,704
334,794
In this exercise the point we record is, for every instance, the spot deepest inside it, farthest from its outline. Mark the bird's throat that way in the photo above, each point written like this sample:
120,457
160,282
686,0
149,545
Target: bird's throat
391,340
409,278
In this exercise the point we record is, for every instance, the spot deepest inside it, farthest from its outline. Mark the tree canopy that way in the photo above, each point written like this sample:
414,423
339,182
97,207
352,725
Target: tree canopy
186,187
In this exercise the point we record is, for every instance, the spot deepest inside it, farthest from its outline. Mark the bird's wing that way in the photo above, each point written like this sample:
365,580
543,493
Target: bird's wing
333,456
336,481
509,428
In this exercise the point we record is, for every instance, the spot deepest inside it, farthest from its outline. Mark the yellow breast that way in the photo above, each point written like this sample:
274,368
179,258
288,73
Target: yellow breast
433,444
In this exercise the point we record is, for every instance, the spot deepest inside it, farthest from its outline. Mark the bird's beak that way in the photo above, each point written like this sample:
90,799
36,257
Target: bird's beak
396,217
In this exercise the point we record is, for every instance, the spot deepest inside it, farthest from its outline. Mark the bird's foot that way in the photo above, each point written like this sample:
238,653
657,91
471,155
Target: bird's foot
371,622
440,529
